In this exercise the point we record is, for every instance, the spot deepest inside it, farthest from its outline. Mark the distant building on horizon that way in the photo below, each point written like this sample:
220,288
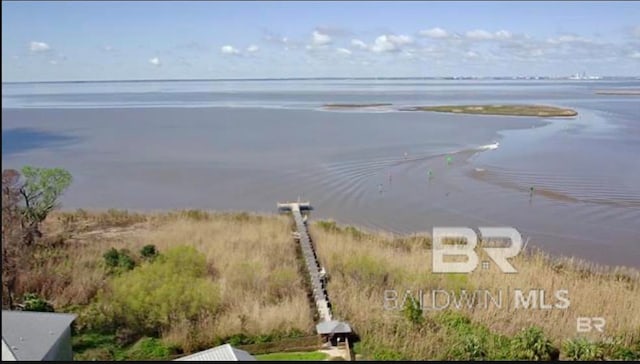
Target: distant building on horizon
584,76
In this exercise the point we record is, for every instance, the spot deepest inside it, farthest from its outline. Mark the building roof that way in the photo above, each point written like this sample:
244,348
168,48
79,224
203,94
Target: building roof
224,352
7,354
30,335
333,327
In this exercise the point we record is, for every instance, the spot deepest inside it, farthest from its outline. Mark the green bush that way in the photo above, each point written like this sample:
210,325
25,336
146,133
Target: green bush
468,340
616,349
93,318
32,302
412,311
111,258
455,321
125,261
582,349
149,252
172,288
532,344
119,260
470,347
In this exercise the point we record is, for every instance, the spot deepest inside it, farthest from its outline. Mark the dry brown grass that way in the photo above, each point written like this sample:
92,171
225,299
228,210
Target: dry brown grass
251,257
363,266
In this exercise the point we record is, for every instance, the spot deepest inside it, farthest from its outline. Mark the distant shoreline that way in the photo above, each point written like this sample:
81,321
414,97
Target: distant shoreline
354,106
505,110
618,92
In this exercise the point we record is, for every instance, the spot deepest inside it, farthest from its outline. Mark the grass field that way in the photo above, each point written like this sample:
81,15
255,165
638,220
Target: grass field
248,285
234,277
362,266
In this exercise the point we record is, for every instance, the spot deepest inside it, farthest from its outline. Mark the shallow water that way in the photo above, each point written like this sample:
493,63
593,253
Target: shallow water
247,145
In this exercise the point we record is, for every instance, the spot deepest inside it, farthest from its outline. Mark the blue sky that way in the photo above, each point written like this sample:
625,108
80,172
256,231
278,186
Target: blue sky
45,41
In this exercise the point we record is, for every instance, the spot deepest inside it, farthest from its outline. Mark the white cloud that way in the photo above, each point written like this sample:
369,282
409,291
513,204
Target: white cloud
357,43
435,33
503,34
344,51
39,47
320,39
228,49
635,55
155,61
567,39
390,43
471,54
636,32
107,48
53,61
479,34
252,48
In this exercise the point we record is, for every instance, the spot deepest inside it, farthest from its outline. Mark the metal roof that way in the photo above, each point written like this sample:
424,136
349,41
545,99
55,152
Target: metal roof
224,352
333,327
30,335
7,354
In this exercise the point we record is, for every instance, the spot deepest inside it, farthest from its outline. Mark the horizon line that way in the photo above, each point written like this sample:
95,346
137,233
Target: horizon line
329,78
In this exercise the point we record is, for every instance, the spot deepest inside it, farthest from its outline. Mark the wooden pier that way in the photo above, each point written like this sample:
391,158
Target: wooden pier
330,329
314,269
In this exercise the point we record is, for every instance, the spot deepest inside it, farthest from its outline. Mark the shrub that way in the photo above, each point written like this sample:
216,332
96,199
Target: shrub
94,319
412,311
125,261
615,348
111,258
32,302
172,288
532,344
119,260
470,347
582,349
149,252
457,323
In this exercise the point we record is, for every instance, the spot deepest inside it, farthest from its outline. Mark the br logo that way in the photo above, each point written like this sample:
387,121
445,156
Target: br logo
498,255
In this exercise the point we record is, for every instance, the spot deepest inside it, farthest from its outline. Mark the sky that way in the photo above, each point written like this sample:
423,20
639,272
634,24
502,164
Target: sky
76,40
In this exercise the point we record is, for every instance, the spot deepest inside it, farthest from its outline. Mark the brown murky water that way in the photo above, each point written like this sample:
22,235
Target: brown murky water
398,171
